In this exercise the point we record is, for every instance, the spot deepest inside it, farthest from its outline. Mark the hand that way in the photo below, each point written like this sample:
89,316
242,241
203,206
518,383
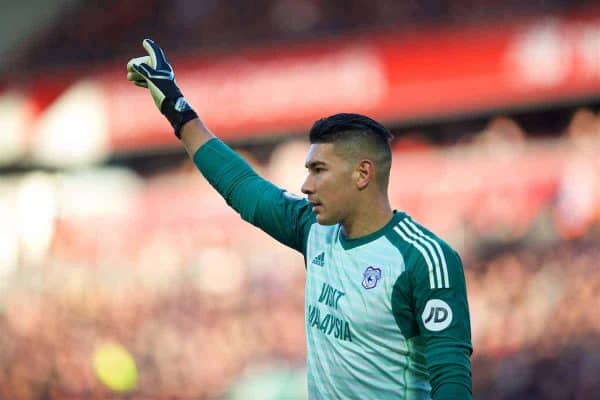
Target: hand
155,73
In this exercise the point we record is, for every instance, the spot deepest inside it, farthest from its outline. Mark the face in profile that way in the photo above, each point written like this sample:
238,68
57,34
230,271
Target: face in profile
329,185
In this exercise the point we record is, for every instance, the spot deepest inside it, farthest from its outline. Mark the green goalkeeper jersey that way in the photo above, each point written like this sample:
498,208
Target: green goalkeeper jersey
386,315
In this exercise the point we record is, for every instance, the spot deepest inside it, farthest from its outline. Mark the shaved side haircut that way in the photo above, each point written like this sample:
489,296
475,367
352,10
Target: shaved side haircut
357,137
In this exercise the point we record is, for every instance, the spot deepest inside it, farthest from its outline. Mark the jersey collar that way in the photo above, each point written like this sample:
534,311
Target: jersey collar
359,241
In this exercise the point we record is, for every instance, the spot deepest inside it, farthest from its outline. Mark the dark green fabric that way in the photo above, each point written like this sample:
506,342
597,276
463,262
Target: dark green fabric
447,352
452,391
285,217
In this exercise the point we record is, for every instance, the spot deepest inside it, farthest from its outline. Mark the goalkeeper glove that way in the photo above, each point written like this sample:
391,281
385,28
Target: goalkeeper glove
155,73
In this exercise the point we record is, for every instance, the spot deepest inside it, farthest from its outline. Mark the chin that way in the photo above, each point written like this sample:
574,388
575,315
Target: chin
322,220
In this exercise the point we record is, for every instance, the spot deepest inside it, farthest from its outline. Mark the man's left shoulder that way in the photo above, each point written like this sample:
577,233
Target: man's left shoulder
441,260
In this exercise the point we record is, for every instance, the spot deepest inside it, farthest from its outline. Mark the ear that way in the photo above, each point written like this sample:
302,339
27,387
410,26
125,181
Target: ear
365,173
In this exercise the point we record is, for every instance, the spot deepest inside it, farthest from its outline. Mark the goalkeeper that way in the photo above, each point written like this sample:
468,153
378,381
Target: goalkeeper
386,310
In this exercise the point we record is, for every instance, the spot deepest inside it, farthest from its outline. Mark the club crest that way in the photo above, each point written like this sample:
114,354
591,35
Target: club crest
371,276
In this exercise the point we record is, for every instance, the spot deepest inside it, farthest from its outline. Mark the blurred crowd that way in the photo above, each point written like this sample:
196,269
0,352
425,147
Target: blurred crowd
209,307
536,330
90,31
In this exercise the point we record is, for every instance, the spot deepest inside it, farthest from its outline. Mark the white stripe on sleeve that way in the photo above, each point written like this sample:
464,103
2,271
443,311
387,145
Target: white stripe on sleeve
423,253
437,247
436,261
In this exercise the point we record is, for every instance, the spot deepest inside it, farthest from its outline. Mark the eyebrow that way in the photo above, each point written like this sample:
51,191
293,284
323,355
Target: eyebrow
314,164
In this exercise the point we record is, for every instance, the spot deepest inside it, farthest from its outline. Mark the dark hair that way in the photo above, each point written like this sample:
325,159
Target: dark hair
343,125
361,135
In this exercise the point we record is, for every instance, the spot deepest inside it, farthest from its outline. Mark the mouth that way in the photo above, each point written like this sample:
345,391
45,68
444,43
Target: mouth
316,206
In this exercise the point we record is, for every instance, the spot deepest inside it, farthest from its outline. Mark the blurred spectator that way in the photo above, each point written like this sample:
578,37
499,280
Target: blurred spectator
287,165
295,17
578,202
501,134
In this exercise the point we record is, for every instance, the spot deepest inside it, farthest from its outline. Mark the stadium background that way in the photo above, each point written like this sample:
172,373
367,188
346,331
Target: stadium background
108,234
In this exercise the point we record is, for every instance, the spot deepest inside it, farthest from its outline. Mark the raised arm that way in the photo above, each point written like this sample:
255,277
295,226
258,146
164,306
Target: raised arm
258,201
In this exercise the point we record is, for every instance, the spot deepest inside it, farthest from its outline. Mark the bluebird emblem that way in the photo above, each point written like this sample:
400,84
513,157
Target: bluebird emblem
371,276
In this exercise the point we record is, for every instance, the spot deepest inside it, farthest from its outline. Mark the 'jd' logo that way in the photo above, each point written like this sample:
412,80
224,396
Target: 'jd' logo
437,315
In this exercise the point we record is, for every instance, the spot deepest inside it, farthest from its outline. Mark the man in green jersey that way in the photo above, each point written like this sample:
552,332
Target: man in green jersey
386,305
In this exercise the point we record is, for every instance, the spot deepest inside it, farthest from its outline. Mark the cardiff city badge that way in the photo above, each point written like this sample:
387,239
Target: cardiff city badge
371,276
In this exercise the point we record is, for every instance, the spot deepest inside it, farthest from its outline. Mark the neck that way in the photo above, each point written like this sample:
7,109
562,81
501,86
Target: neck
367,219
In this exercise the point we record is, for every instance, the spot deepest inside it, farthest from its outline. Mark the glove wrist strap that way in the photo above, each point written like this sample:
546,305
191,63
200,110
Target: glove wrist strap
178,112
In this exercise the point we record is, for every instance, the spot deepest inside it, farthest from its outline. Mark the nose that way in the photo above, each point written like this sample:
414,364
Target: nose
307,187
